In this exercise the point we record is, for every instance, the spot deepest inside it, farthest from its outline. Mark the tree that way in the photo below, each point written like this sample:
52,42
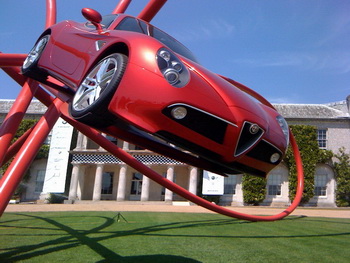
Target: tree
342,169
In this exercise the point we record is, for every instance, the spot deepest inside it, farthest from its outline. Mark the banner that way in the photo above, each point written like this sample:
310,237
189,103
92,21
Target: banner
57,163
213,184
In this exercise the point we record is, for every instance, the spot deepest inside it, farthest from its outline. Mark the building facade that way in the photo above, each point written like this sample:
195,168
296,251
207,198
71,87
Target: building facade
97,175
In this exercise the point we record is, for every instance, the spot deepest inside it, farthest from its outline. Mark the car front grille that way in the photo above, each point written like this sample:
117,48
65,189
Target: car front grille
200,121
250,134
263,151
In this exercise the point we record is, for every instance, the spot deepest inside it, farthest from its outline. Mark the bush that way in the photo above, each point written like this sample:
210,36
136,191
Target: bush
56,198
254,189
212,198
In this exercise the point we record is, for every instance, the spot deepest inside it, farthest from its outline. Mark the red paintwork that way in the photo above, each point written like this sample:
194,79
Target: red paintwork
228,101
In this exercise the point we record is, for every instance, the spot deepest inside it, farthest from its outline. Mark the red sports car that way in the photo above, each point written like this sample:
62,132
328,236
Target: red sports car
132,80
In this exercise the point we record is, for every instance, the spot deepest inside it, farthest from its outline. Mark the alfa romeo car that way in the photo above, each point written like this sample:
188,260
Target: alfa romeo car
124,74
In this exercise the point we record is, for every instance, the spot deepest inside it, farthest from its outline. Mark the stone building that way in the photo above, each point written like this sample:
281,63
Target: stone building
97,175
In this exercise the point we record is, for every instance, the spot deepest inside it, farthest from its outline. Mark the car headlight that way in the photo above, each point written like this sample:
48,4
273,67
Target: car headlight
173,70
284,126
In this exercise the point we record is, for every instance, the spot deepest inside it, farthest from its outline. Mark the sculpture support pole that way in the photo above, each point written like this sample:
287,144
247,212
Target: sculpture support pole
11,123
151,9
121,7
11,60
51,11
26,154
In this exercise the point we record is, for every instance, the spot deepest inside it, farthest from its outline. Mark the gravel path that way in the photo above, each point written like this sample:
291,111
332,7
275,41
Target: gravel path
177,207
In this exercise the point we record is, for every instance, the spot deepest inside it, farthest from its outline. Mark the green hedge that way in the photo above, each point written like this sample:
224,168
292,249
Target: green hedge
342,169
311,154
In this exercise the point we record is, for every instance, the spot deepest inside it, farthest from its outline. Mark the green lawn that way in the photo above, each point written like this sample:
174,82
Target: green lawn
169,237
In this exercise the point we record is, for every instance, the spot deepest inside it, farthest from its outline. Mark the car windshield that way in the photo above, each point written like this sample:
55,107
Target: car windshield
135,25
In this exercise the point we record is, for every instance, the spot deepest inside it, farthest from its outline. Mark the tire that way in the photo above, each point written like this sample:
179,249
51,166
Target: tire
29,67
91,100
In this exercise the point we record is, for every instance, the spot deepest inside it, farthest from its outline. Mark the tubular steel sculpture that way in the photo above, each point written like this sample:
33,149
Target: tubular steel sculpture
92,86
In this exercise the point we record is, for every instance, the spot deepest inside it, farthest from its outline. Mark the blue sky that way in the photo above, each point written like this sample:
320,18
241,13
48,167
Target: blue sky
289,51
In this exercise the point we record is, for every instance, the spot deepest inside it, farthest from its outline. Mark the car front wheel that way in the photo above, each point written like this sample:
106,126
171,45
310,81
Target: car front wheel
91,100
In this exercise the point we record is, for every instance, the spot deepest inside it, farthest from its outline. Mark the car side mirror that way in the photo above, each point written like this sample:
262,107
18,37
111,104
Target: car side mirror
93,16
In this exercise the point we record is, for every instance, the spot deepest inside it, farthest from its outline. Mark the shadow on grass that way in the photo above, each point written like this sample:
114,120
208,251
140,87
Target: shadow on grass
74,238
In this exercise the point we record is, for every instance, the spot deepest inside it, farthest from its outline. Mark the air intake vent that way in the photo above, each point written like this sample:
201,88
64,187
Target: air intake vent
250,134
198,120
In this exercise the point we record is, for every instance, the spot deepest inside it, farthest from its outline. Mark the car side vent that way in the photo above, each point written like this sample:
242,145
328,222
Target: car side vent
250,134
198,120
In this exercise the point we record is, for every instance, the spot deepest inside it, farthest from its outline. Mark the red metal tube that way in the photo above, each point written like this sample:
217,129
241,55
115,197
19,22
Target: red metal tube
121,7
14,148
14,73
151,9
26,154
51,11
11,60
14,117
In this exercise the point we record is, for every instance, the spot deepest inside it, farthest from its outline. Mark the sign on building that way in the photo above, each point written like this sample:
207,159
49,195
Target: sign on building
57,163
213,184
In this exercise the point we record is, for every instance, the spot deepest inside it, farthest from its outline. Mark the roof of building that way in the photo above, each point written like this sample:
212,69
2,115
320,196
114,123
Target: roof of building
35,107
310,111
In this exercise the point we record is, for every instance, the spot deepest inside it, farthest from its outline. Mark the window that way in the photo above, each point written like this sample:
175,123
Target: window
39,181
321,185
274,183
112,139
322,138
130,24
107,183
106,21
136,184
230,183
135,25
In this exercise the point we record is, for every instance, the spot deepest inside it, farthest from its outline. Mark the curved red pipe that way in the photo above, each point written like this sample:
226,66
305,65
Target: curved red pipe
131,161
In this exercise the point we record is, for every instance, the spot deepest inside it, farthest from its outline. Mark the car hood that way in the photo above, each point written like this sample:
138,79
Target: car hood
233,97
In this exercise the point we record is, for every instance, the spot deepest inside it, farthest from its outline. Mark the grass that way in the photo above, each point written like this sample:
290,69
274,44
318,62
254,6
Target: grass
169,237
